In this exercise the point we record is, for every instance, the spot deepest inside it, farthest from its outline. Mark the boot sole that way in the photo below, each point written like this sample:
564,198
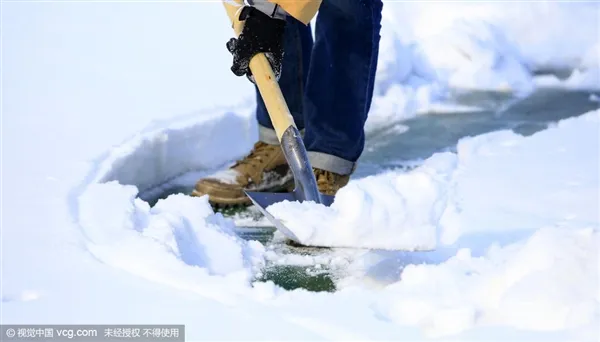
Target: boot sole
225,202
222,202
218,202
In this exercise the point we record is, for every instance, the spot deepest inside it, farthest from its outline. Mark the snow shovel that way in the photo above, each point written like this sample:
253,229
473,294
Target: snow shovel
286,130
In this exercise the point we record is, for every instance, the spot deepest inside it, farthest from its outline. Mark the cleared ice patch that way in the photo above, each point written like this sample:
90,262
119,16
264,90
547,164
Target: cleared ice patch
391,211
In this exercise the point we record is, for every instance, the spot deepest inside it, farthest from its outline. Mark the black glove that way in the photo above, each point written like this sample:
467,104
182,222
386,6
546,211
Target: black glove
261,33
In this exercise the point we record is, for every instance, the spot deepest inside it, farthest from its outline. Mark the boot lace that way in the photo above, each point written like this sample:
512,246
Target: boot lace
258,156
325,181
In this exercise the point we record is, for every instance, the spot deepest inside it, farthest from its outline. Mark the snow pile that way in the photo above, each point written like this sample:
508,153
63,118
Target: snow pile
430,52
179,241
558,188
516,249
551,35
475,54
466,53
404,211
545,283
390,211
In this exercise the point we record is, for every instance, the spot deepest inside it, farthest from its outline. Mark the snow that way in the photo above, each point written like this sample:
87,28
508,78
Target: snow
525,254
389,211
542,283
177,147
430,51
106,103
179,241
404,210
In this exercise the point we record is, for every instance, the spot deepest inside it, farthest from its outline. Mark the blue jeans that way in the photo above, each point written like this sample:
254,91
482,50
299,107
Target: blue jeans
328,82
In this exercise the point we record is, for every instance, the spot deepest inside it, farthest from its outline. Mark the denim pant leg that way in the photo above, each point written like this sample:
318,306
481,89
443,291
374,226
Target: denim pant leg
340,82
298,47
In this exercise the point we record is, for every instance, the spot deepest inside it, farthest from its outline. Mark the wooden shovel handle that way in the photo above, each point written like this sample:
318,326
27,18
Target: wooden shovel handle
263,76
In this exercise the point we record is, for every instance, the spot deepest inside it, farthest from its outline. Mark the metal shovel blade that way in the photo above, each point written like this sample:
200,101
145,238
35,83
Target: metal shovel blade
262,200
265,199
306,185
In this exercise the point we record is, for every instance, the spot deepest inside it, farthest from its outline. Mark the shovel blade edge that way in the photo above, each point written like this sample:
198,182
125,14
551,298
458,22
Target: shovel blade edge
262,200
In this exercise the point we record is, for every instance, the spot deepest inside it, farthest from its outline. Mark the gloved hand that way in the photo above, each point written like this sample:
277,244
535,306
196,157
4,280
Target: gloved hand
261,33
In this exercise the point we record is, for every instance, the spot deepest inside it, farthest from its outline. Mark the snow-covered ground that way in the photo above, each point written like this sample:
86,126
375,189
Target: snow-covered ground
102,101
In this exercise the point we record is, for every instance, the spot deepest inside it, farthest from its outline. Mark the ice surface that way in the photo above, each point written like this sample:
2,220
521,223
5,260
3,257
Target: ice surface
101,101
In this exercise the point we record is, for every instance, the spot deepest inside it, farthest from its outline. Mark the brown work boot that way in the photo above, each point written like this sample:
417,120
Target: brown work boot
264,169
328,182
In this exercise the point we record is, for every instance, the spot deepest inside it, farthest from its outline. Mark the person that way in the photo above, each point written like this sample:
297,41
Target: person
327,83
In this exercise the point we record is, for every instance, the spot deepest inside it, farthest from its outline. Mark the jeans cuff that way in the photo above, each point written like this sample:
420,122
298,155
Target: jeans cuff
269,136
331,163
